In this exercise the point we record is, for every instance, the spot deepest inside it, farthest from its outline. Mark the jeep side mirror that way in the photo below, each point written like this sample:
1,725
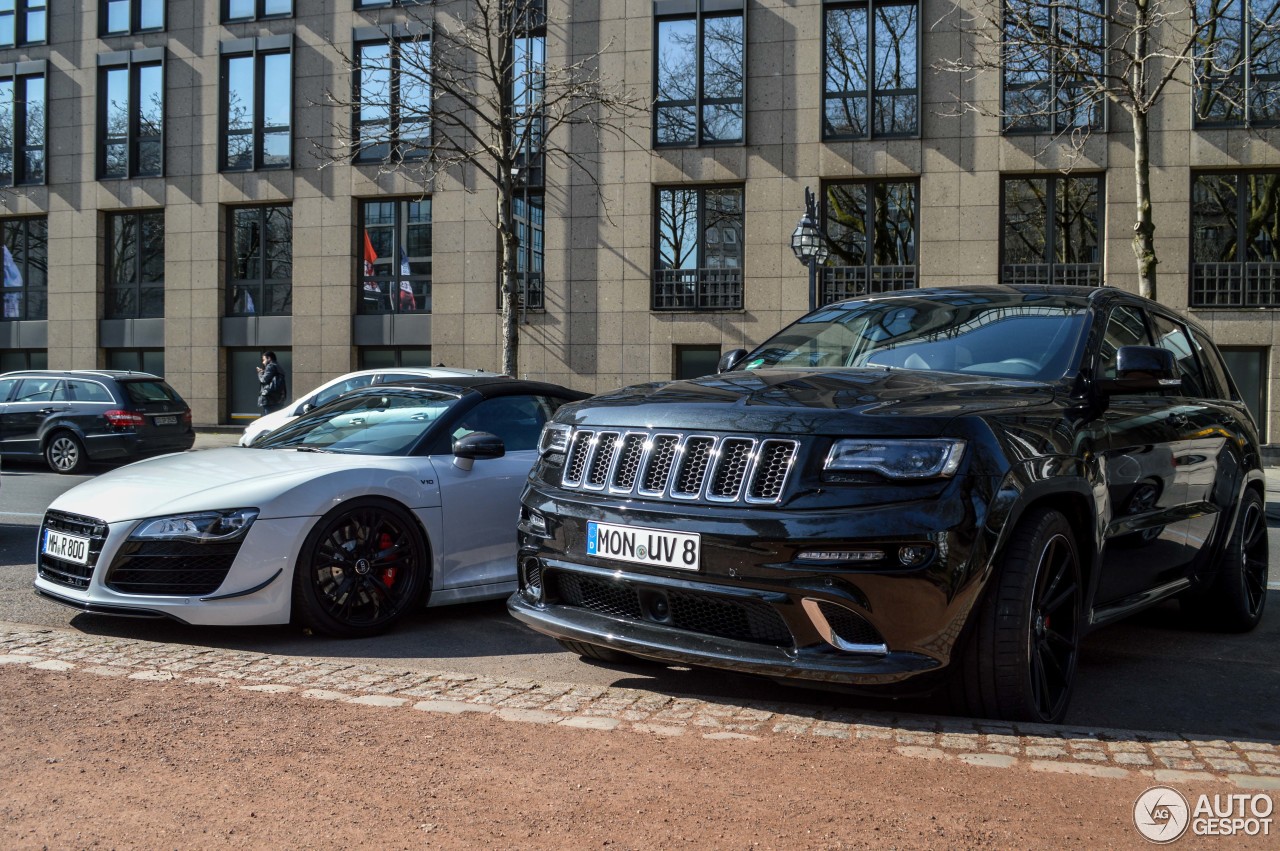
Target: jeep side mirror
478,445
729,360
1140,369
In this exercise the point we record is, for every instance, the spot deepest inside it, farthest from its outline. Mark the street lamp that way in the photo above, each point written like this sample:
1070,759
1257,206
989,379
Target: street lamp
809,245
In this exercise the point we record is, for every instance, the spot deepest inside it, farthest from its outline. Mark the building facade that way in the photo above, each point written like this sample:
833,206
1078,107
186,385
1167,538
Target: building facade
167,202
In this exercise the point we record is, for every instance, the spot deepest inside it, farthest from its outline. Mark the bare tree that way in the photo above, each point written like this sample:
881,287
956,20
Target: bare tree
1063,62
465,86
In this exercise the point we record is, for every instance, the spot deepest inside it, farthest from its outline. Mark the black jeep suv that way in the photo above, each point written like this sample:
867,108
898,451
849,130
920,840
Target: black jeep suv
72,417
942,487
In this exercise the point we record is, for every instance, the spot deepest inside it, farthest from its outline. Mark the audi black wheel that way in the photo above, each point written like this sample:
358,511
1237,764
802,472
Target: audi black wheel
362,567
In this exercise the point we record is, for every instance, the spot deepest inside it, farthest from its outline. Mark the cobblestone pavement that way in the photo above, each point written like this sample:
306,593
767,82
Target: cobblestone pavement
1165,757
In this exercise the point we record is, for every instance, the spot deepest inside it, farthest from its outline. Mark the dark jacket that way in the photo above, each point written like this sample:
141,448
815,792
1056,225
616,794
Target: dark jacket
272,380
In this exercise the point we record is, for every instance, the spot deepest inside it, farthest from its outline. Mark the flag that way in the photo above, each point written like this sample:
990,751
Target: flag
407,301
12,278
370,256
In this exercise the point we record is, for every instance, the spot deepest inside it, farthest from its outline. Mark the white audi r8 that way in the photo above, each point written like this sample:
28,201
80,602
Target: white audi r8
342,520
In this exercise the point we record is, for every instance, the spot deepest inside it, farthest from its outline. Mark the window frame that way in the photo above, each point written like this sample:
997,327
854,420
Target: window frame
256,287
1236,284
258,51
21,16
697,11
24,263
1245,74
871,93
396,150
259,12
838,281
139,284
133,63
378,302
135,17
19,77
1054,85
1052,267
703,287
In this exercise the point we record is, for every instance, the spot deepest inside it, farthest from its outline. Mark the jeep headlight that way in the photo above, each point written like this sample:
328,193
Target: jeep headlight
555,438
201,527
896,459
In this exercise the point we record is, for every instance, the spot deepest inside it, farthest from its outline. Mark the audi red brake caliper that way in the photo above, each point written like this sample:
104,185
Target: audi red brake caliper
389,574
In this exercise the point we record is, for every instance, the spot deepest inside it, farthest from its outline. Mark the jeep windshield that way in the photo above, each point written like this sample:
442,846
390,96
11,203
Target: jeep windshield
1010,334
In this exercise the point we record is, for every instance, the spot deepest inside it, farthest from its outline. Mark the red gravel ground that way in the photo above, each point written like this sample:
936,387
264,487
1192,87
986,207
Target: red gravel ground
89,761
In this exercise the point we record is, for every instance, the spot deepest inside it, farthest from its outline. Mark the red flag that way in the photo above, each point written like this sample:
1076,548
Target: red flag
370,256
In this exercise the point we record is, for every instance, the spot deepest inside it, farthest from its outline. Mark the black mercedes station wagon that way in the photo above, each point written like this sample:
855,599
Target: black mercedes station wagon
939,488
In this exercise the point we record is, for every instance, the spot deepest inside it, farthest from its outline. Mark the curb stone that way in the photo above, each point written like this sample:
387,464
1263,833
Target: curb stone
1091,752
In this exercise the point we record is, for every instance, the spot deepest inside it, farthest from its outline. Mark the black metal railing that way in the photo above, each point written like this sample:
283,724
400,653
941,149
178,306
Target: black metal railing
1235,285
837,283
1045,274
697,289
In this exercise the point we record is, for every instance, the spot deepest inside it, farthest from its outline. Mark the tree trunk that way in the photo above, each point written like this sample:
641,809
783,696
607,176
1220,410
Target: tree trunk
1144,227
510,306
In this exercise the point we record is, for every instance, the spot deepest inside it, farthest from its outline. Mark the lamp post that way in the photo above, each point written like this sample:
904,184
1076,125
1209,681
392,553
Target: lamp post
809,246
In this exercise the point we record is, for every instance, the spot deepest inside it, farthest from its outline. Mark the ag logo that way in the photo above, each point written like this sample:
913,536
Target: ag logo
1161,814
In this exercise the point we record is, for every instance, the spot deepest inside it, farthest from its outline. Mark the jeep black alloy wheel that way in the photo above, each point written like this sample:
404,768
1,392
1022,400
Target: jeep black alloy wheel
362,567
1234,600
1020,658
65,453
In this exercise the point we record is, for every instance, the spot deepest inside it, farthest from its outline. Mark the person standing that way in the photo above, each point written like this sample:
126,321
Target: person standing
271,378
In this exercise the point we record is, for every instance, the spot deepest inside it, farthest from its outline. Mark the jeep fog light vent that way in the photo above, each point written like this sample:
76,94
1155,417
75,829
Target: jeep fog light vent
844,629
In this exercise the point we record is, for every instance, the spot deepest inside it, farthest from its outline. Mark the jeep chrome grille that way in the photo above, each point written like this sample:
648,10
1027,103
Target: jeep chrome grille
680,466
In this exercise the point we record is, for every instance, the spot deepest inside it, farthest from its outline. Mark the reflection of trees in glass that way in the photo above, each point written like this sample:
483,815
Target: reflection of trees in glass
27,239
132,133
22,130
1237,67
885,210
1051,53
700,228
261,261
23,22
1048,220
888,54
685,84
258,130
135,265
393,103
1228,210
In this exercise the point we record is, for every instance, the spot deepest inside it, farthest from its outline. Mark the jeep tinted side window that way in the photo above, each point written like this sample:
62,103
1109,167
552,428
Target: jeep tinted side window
1172,336
1217,368
1125,327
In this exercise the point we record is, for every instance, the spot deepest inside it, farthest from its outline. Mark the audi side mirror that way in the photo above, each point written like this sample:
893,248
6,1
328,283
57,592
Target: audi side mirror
479,445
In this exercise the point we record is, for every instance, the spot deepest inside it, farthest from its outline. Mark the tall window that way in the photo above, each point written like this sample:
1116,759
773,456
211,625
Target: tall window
26,267
249,10
22,129
395,272
130,16
135,265
1237,63
1235,240
261,262
1050,230
393,99
871,228
698,87
530,217
1051,51
699,257
257,110
131,117
528,84
871,59
23,22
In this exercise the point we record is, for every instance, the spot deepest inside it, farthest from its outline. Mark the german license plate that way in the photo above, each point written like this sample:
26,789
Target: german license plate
70,548
656,547
166,421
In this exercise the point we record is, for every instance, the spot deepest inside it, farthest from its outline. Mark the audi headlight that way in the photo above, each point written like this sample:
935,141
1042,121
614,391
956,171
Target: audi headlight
555,438
896,459
202,527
